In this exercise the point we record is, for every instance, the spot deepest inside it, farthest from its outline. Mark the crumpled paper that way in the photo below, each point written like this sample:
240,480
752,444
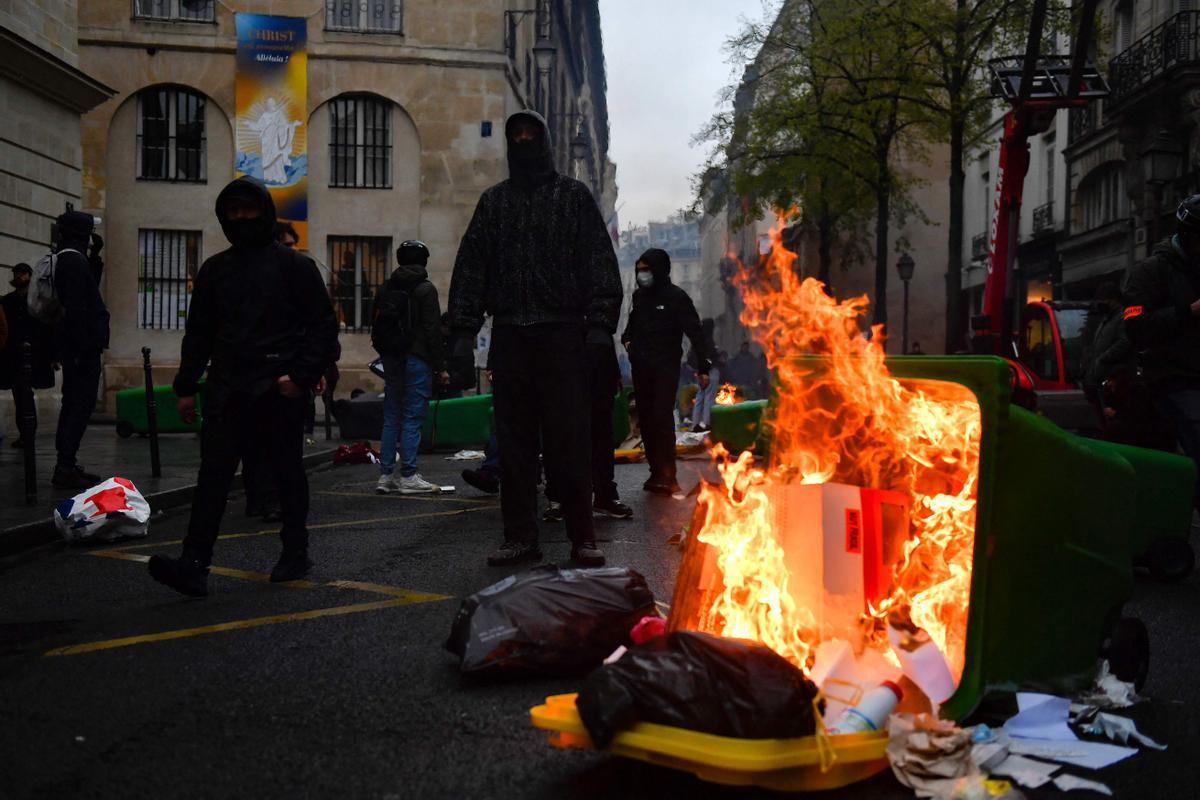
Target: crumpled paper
1068,783
466,455
1109,691
929,755
1120,730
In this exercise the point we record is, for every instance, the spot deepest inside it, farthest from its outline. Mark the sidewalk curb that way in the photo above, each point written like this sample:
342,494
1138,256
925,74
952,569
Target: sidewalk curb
32,534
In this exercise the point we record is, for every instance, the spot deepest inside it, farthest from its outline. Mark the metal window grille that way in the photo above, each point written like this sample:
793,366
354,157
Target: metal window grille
359,266
360,149
363,16
171,140
167,265
1049,174
175,10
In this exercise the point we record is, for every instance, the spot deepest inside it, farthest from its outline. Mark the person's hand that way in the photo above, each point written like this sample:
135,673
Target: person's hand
187,409
1196,308
289,388
443,378
704,381
1110,413
321,385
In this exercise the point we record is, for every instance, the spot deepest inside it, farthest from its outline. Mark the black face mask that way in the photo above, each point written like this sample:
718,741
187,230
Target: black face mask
527,153
248,233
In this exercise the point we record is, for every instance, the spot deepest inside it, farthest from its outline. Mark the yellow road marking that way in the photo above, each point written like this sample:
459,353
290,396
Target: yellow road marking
240,624
394,591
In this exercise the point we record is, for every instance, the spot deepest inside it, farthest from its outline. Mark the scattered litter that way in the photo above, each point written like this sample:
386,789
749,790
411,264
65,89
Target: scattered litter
1109,691
844,678
615,655
648,628
357,453
80,739
922,662
689,439
700,682
446,489
929,755
872,711
678,538
467,455
112,509
1089,755
977,787
549,620
1069,783
1041,716
1029,773
1120,730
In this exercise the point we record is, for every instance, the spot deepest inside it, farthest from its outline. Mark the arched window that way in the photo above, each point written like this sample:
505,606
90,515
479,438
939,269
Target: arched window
170,135
360,142
1101,198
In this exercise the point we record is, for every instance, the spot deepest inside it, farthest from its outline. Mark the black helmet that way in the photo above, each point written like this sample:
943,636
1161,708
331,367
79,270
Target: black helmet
1188,215
412,251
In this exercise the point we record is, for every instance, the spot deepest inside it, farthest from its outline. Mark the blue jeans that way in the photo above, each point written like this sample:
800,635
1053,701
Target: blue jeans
407,387
702,414
1182,409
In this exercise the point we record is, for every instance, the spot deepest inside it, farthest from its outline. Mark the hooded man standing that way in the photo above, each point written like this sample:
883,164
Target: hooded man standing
538,258
660,316
261,321
79,339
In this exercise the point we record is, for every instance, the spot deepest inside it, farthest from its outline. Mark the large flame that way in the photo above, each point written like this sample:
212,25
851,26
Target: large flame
727,395
845,419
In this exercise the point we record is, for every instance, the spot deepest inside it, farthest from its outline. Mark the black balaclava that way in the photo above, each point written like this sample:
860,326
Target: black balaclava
529,162
74,231
660,266
246,234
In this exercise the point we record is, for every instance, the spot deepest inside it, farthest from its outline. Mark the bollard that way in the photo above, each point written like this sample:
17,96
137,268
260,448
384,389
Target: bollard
327,401
151,416
27,422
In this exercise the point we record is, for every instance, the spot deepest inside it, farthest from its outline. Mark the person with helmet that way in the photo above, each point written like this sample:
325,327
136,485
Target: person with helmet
406,331
1162,318
261,323
538,258
660,316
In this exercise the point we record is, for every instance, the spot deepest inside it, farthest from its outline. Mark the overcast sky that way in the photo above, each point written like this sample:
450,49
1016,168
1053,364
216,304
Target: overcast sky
666,70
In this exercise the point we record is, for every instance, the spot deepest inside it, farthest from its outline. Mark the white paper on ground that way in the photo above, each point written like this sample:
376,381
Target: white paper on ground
1121,730
466,455
1025,771
1090,755
445,489
923,664
1041,716
1067,783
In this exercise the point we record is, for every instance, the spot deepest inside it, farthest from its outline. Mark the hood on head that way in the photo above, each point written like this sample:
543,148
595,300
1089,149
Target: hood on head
263,229
539,162
407,274
659,262
75,230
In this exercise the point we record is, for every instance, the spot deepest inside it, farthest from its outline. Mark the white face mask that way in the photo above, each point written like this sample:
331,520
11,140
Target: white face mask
645,278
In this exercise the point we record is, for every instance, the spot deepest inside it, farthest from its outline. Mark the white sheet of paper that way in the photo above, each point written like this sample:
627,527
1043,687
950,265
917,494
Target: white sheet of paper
1068,783
1041,716
1025,771
1122,729
1090,755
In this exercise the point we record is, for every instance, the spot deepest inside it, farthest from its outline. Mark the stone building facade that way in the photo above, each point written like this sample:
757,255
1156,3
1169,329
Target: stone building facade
406,109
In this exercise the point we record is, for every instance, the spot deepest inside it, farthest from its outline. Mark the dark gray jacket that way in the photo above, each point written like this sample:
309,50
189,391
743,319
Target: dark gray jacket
425,312
1158,295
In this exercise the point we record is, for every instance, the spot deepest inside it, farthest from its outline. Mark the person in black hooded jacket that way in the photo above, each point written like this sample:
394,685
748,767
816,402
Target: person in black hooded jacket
538,258
79,339
660,316
261,322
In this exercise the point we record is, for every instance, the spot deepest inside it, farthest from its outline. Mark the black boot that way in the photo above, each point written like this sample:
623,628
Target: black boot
514,553
186,574
292,566
482,479
588,554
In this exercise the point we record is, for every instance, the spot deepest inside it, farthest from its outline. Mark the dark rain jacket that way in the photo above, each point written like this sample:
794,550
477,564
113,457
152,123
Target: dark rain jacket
1158,295
83,329
257,313
536,251
22,327
1110,350
425,312
659,317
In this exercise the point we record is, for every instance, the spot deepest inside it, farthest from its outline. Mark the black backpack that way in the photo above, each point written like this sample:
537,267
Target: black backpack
391,329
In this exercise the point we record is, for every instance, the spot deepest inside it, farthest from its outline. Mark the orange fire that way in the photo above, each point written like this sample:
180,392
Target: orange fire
843,419
726,395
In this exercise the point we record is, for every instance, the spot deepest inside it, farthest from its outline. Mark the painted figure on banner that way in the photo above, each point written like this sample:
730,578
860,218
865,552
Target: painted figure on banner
276,134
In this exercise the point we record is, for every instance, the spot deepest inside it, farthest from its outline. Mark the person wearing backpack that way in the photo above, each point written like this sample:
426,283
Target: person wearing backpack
65,293
406,332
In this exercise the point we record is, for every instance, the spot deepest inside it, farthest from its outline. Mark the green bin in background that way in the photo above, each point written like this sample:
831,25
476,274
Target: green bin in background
131,411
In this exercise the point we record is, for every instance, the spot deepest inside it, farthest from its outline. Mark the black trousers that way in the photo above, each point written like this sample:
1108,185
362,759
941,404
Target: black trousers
273,426
603,381
258,479
81,382
540,398
655,387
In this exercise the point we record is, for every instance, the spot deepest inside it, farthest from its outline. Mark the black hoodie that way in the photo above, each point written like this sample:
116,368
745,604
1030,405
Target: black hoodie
83,329
536,250
258,311
425,313
659,317
1159,292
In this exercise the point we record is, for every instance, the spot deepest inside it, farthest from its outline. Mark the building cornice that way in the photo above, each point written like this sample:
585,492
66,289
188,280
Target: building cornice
46,74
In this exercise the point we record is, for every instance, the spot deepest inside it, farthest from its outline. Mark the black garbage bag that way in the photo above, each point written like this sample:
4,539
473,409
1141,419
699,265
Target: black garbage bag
700,682
549,620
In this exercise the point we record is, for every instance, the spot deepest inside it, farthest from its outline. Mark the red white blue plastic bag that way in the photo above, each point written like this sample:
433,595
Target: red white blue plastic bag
112,509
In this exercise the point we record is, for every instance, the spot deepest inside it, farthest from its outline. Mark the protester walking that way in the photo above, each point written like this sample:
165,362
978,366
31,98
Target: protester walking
261,323
661,315
1162,317
22,329
79,339
538,258
406,332
706,397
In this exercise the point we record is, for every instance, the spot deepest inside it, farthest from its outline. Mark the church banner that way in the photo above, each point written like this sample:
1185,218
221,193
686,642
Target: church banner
271,94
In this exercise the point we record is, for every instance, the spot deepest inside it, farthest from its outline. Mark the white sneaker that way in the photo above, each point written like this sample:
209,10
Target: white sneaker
388,484
415,484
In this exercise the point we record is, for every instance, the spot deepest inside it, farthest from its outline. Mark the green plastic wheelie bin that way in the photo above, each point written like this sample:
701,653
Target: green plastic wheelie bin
131,411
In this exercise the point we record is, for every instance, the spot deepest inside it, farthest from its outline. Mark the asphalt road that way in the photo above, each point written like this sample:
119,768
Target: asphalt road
337,690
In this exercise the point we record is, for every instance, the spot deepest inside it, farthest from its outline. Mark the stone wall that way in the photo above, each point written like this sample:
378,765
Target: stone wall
48,24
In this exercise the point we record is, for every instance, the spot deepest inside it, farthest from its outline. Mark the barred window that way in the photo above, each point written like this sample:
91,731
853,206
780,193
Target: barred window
360,266
170,136
360,149
167,265
175,10
364,16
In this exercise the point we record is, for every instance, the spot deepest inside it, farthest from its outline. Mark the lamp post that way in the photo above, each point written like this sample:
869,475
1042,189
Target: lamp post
1161,160
905,267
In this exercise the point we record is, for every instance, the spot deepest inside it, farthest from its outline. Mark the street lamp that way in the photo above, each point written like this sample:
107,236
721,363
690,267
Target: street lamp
905,267
1161,161
543,58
